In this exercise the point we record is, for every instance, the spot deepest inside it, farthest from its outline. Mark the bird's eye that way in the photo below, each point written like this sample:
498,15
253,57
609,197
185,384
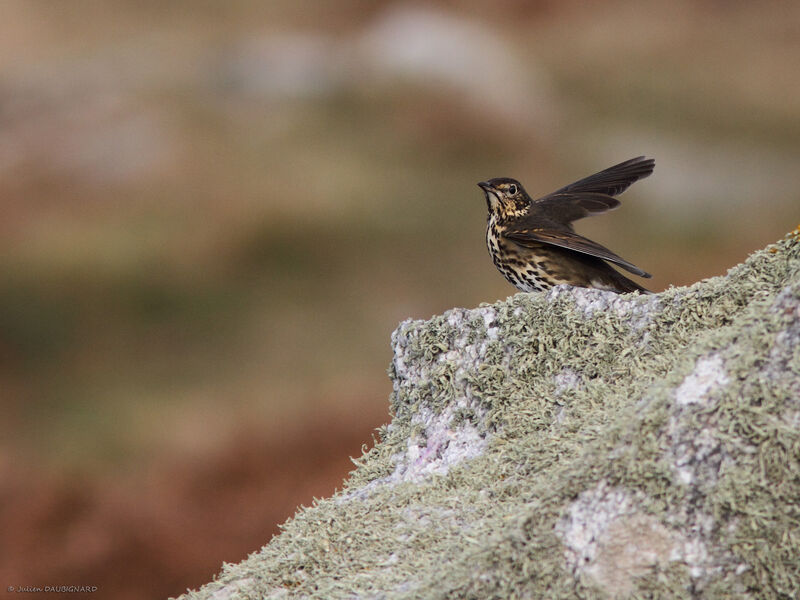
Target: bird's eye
512,189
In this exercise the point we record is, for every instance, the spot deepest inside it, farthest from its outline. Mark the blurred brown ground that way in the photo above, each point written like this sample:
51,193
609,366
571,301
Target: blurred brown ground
158,533
215,215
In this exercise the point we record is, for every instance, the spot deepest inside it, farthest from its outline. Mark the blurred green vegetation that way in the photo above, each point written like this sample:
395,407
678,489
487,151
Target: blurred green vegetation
226,211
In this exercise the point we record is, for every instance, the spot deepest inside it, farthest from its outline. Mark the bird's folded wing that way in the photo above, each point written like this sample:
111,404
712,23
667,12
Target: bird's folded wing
571,241
613,180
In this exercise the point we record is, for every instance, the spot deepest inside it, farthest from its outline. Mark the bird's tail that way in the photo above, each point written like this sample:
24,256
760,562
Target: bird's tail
625,285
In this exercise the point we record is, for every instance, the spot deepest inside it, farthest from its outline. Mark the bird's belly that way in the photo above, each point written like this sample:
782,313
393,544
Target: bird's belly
527,270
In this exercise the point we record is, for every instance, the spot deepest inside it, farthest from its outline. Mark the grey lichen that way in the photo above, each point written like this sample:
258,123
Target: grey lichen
572,444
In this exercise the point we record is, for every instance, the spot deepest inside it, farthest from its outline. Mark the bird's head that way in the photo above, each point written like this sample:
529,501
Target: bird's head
505,197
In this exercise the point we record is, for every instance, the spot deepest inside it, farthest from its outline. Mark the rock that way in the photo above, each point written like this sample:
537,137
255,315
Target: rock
572,444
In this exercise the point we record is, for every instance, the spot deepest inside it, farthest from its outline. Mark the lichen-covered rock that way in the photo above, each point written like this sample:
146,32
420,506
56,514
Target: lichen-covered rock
573,444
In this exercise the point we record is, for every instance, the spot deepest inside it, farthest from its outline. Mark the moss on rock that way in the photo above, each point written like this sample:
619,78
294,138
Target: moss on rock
572,444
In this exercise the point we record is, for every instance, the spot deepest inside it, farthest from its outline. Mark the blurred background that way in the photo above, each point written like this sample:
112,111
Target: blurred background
215,214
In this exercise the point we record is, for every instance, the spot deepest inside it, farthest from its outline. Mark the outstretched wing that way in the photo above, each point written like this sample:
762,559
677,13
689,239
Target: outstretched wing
570,241
566,207
611,181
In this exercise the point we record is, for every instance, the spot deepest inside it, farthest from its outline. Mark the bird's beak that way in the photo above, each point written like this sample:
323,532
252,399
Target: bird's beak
486,186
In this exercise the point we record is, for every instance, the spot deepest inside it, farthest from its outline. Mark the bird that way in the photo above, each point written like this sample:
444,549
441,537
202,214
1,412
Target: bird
533,244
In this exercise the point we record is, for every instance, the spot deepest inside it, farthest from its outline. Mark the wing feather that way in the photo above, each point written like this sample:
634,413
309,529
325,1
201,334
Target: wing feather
571,241
567,206
613,180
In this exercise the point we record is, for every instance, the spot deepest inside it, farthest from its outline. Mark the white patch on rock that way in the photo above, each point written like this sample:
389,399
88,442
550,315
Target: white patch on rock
435,451
696,455
696,459
489,319
709,374
440,447
567,379
610,539
443,439
235,588
637,310
468,356
587,519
